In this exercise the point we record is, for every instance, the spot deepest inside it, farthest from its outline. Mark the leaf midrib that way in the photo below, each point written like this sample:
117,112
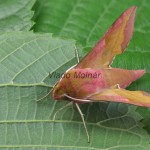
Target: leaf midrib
68,121
48,146
64,146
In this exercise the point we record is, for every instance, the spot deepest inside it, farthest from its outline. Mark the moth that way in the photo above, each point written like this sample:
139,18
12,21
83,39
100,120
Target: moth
93,79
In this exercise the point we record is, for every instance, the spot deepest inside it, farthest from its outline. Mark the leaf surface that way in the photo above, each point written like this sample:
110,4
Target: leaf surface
32,57
16,15
87,21
26,60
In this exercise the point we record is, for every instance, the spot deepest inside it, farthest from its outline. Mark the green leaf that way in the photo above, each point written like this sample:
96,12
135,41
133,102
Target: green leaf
16,15
25,57
87,21
25,62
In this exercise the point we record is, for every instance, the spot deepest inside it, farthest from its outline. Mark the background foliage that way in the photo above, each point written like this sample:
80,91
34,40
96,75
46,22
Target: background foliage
27,57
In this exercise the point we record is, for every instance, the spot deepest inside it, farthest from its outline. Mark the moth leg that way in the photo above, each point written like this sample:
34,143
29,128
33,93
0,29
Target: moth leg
77,99
68,104
109,67
116,86
77,54
82,117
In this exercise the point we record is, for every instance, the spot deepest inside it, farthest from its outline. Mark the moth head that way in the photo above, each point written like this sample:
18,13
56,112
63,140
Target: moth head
58,92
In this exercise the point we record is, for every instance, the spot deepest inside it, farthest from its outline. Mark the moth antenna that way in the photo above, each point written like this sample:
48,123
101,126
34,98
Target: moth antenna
48,92
67,105
77,54
44,96
82,117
